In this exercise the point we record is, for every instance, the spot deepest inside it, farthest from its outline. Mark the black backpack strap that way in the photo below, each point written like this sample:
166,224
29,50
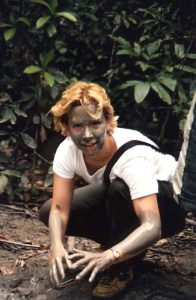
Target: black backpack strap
118,153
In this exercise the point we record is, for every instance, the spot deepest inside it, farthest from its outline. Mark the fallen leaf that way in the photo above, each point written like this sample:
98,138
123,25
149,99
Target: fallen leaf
6,271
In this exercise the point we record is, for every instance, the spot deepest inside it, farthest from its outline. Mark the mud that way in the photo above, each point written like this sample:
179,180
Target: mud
166,273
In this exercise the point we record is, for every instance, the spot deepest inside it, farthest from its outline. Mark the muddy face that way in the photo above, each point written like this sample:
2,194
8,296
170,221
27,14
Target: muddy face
87,133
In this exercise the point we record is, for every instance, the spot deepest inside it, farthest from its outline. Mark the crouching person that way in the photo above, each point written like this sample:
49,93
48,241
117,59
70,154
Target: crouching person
126,210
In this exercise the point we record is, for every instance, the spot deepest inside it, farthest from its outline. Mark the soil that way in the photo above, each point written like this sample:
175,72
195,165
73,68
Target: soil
166,273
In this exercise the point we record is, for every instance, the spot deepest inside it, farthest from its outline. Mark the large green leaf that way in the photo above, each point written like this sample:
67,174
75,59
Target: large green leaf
28,140
7,114
191,55
67,16
141,91
19,112
44,3
9,34
47,57
179,50
24,20
129,83
32,69
51,30
186,68
161,91
42,21
49,78
153,47
168,81
4,25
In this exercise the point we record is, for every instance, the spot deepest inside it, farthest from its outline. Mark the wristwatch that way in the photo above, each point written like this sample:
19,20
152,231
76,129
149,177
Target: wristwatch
115,254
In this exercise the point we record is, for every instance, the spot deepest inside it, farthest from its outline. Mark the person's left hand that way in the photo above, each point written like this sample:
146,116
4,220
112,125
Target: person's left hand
93,262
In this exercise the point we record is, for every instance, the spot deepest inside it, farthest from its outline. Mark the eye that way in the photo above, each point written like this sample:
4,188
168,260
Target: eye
96,122
77,125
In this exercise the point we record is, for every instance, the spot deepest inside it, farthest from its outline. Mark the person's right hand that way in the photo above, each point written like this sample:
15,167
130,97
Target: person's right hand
58,255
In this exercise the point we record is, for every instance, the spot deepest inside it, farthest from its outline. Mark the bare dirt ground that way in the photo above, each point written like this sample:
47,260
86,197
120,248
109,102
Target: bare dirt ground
168,271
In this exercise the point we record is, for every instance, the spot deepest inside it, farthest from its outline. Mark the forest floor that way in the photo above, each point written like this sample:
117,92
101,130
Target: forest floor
168,271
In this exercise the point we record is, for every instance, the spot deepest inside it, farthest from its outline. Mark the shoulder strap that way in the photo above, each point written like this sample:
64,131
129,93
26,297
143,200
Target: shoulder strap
117,155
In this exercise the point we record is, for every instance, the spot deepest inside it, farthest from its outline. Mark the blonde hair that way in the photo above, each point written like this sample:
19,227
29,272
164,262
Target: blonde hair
83,93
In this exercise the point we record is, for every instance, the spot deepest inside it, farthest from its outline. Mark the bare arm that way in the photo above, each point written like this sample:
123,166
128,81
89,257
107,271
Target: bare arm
58,219
147,233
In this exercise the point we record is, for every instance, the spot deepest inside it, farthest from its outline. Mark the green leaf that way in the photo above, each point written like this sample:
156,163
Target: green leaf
144,66
7,114
120,40
179,50
161,91
153,47
141,91
67,15
129,83
4,97
54,4
32,69
47,57
186,68
44,3
24,20
4,25
169,82
28,140
19,112
191,55
42,21
12,173
9,34
49,78
51,30
127,51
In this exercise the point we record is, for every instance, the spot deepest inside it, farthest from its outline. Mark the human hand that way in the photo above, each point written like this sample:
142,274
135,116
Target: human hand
71,240
58,255
93,262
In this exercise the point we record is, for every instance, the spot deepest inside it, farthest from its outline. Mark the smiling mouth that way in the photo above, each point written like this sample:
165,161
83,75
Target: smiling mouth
89,145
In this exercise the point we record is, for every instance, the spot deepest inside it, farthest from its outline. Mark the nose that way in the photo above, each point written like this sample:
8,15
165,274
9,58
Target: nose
87,136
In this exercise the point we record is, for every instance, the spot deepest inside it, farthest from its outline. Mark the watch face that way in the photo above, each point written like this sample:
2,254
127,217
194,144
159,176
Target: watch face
116,254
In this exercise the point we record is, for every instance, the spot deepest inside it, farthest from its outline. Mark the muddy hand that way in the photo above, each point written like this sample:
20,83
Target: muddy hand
58,255
71,240
92,262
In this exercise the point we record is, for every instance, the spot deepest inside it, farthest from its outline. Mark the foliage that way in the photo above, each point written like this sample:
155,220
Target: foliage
143,53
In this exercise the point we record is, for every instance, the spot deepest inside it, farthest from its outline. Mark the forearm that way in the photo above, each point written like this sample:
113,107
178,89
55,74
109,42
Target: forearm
138,241
57,228
142,237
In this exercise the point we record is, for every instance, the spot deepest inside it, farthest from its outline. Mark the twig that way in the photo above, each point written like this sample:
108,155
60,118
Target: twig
61,285
22,210
20,244
42,158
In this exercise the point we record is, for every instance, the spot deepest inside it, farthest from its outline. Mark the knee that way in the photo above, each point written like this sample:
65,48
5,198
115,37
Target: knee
44,212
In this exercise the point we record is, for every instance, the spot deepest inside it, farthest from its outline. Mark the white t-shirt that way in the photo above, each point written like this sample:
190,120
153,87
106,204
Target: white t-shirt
140,167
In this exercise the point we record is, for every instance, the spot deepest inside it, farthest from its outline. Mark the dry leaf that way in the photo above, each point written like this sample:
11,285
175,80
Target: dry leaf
6,271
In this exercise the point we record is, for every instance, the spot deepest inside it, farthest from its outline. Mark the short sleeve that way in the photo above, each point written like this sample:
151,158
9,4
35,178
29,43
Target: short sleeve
140,176
63,164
